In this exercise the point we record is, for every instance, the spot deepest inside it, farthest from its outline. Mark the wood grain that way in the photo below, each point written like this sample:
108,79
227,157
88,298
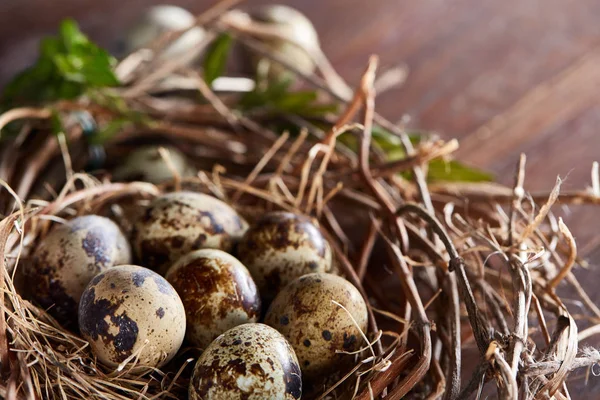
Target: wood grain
505,77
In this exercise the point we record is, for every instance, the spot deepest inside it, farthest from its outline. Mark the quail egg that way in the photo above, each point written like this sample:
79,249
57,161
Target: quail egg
158,20
281,247
68,258
132,312
176,223
146,164
249,362
316,327
301,33
217,291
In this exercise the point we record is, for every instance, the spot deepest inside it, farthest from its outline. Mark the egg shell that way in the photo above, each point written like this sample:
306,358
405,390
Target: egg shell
248,362
68,258
293,24
316,327
281,247
176,223
157,20
146,164
217,291
126,306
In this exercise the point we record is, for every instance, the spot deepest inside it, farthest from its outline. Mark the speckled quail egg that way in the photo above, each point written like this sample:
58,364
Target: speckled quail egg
217,291
157,20
249,362
294,25
146,164
176,223
68,258
131,311
315,326
281,247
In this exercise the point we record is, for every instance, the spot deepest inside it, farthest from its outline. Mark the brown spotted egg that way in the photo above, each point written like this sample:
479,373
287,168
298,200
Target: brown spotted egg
68,258
248,362
131,311
217,291
316,327
281,247
147,164
176,223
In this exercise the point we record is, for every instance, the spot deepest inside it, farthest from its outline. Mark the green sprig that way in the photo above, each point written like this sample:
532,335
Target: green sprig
438,170
68,65
216,57
279,97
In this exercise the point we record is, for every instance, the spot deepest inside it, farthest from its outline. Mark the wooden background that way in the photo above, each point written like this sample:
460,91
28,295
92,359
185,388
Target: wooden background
505,77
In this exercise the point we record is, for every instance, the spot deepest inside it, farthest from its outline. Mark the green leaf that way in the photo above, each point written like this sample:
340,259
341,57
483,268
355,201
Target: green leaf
110,130
439,170
296,101
386,140
68,65
216,57
278,96
70,34
454,171
316,110
391,144
56,124
350,140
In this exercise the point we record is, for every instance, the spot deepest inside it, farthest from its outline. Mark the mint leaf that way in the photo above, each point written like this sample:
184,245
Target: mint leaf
70,34
265,96
277,96
439,170
387,141
110,130
56,124
216,57
68,65
454,171
296,100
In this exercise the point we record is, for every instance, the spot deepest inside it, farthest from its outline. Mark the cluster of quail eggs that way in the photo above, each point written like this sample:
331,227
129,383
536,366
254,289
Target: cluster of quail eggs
256,298
259,300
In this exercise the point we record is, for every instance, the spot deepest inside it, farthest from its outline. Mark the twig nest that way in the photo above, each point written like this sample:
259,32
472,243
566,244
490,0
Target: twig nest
250,362
217,291
130,312
303,39
317,328
176,223
148,165
158,20
281,247
68,258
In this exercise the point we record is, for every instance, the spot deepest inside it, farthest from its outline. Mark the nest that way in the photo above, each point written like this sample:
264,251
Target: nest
451,271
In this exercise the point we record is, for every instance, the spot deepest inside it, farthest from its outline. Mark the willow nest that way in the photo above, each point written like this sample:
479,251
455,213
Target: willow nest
451,271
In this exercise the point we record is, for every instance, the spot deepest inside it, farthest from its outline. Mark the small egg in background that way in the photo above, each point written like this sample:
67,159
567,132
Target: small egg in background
124,307
146,164
176,223
68,258
248,362
217,291
293,24
280,247
157,20
316,327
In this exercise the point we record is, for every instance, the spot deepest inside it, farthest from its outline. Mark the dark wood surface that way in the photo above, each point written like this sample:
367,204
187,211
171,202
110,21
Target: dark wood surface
504,77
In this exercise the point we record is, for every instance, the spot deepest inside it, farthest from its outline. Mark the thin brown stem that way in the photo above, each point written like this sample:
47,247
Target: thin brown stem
367,248
456,264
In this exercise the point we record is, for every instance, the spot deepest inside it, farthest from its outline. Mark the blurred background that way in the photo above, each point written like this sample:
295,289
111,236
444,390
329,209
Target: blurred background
504,77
